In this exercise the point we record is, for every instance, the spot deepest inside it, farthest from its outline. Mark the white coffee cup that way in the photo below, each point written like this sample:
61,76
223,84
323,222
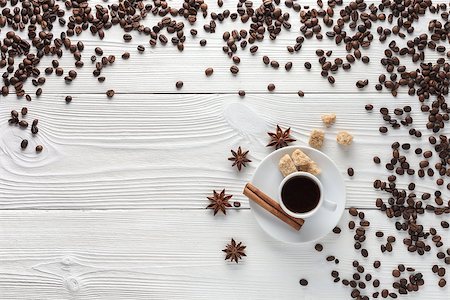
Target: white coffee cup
322,202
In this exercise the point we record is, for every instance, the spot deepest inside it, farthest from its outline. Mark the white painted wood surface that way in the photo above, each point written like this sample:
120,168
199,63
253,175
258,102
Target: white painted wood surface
114,206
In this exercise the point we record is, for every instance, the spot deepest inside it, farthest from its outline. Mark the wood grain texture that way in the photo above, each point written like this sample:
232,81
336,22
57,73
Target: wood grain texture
114,206
176,255
170,151
159,68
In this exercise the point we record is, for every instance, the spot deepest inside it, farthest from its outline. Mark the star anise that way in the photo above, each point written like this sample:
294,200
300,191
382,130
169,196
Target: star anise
239,158
281,138
234,251
219,202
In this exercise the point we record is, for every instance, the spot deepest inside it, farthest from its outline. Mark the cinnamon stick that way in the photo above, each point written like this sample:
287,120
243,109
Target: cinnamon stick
263,200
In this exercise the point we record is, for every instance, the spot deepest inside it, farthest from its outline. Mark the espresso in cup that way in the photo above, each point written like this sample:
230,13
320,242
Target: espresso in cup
300,194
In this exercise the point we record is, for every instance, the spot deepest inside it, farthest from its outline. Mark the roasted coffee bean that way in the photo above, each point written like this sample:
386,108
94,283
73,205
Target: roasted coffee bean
318,247
274,64
376,264
24,144
300,93
23,124
379,234
209,71
39,148
369,107
271,87
337,230
383,129
110,93
364,252
288,66
179,84
241,93
234,69
350,172
303,282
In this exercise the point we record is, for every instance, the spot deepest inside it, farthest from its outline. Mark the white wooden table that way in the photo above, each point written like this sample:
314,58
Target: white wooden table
114,207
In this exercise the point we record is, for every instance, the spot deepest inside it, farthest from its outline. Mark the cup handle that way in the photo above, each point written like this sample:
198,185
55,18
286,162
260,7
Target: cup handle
329,205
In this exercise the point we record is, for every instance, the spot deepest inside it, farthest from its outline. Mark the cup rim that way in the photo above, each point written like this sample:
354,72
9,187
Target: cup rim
308,213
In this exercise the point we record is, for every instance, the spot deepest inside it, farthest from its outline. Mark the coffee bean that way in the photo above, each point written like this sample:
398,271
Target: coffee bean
110,93
179,84
351,225
350,172
376,264
23,124
234,69
364,253
125,55
300,93
237,204
141,48
288,66
39,148
353,211
331,79
308,65
337,230
23,111
24,144
209,71
383,129
271,87
68,99
241,93
318,247
442,282
303,282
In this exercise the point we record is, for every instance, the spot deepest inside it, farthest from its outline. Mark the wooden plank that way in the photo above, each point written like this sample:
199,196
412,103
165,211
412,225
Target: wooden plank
170,151
157,70
176,255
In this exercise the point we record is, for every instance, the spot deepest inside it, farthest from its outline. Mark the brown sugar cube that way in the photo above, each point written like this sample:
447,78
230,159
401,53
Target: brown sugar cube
286,165
313,168
329,119
301,160
344,138
316,138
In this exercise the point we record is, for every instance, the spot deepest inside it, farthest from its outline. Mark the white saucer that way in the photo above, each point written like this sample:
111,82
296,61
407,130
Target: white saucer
267,178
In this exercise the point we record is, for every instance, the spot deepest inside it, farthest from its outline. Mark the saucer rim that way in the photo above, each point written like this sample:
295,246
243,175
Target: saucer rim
269,156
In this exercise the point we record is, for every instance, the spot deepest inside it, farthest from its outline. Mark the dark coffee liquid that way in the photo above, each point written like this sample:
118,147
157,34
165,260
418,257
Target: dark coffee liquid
300,194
